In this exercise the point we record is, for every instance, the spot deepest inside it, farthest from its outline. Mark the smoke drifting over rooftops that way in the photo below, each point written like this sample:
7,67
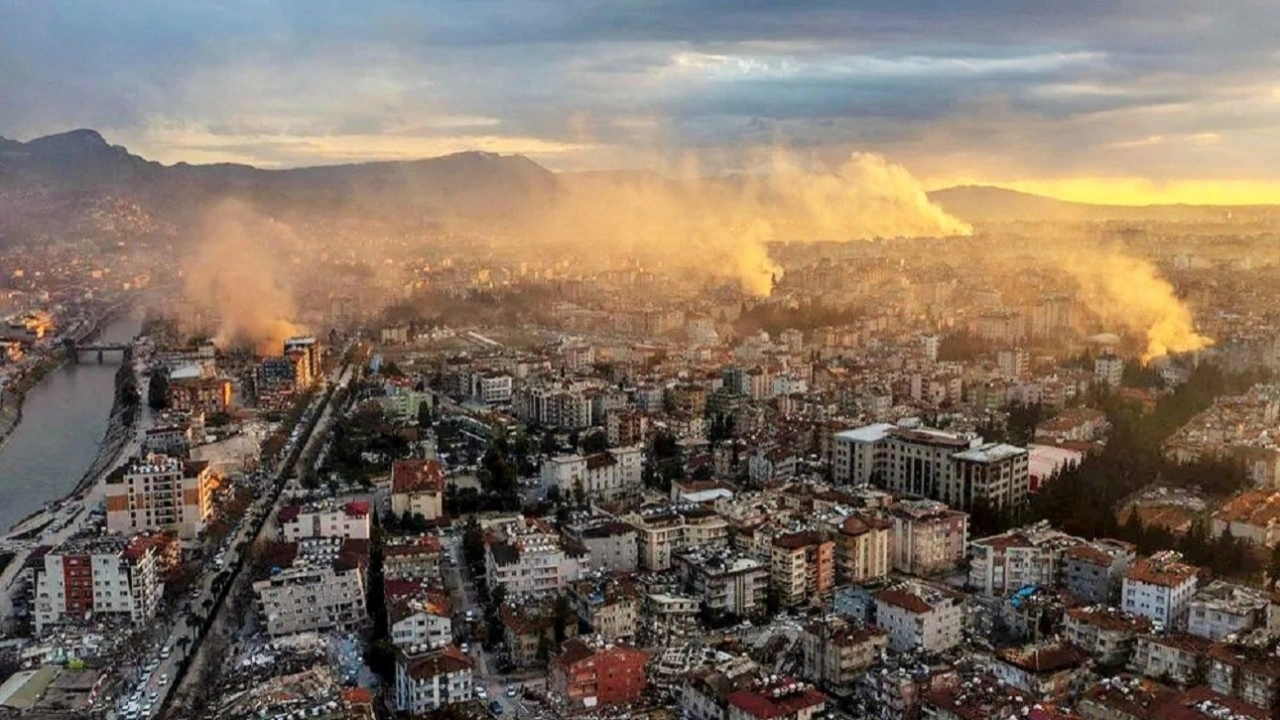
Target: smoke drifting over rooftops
720,227
233,273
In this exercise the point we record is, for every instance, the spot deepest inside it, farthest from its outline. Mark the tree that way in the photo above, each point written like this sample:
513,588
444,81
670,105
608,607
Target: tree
579,493
595,442
1273,567
425,417
473,543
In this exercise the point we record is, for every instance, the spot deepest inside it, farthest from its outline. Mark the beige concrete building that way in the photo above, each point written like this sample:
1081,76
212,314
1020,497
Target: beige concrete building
158,492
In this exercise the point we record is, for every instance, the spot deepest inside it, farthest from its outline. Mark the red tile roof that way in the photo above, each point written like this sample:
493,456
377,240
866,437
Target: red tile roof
762,703
416,476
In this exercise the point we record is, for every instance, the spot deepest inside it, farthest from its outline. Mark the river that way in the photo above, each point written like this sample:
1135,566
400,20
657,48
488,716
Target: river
64,418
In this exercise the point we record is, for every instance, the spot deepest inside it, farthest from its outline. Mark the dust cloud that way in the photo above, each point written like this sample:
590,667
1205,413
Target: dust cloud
234,273
720,227
1130,292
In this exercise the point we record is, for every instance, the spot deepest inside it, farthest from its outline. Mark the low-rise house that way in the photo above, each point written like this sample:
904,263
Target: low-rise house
313,585
1106,633
1253,515
594,674
610,476
426,682
920,615
1222,608
704,691
837,652
417,488
1160,588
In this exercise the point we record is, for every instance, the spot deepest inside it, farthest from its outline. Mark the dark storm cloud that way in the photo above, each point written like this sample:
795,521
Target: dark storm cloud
1087,83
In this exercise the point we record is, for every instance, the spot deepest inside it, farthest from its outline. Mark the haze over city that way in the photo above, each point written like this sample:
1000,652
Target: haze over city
725,360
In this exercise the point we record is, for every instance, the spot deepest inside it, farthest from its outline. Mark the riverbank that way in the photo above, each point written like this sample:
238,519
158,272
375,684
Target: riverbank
120,429
12,399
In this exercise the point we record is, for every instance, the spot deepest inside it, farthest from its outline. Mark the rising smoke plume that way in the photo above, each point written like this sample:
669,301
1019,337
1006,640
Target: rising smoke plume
234,273
1130,292
721,227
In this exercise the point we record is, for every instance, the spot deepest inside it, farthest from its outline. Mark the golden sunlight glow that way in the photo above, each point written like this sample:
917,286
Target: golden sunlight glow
1141,191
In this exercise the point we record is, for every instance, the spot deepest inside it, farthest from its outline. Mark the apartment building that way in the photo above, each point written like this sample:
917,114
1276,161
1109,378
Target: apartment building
1031,555
417,488
588,673
667,618
1223,608
411,558
1249,672
429,681
313,585
529,629
1093,571
837,652
778,699
863,544
1104,632
609,605
1177,657
801,567
530,557
158,492
958,469
927,537
1160,588
920,615
421,622
97,576
612,544
610,476
665,530
1109,369
326,518
723,581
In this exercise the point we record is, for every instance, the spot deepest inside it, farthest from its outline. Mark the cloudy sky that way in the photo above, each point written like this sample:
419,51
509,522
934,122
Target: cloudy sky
1112,100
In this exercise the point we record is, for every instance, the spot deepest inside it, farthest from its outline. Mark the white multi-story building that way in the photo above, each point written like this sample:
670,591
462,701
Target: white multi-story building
856,452
314,584
957,469
491,388
607,476
920,615
325,519
429,681
1033,555
96,576
1160,588
530,557
1109,369
417,623
158,492
927,536
1222,608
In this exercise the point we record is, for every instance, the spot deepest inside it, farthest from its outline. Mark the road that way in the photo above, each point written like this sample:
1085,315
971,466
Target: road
265,508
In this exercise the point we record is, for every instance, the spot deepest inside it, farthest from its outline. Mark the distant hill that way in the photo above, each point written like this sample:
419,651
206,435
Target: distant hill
985,204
